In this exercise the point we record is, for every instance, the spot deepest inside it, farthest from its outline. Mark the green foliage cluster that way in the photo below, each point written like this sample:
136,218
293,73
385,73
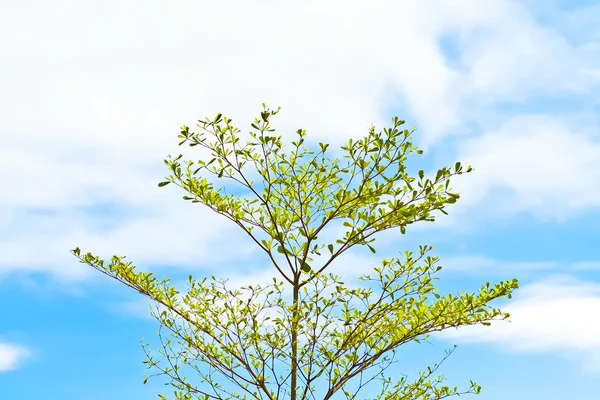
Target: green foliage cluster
327,339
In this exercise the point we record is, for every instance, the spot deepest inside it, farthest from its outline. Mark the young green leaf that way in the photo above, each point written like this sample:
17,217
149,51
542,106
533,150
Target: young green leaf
324,332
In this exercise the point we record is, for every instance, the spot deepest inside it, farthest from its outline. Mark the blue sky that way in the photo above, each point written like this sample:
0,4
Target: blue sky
93,94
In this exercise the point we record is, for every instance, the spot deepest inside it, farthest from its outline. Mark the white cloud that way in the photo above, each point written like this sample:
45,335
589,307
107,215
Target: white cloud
12,356
533,163
102,84
94,99
180,234
587,265
489,266
558,314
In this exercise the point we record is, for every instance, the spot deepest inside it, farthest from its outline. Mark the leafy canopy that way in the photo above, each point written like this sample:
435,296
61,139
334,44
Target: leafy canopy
324,339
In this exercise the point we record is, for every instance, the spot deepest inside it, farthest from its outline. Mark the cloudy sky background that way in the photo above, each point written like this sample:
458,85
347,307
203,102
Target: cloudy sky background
93,93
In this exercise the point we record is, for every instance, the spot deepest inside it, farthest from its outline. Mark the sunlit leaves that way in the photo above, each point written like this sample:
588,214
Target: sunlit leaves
271,346
246,329
303,191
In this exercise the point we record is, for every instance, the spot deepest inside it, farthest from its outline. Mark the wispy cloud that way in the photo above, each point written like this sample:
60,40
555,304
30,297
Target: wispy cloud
544,168
557,314
531,164
483,265
12,356
103,108
587,265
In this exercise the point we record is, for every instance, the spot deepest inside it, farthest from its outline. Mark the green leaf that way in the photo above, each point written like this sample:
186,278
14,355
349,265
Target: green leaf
292,192
304,266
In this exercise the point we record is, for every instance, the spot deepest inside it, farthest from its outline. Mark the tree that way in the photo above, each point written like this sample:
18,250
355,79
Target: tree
327,337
